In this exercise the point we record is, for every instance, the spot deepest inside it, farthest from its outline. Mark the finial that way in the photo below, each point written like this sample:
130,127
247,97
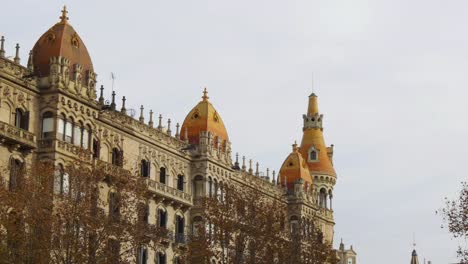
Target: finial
236,164
294,146
186,135
150,123
243,163
177,135
257,173
205,95
30,61
250,167
64,17
268,173
142,118
123,110
273,178
169,127
17,58
101,96
160,122
2,47
112,105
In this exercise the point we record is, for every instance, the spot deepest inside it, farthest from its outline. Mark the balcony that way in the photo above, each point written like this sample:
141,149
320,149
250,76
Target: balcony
170,193
181,239
51,144
16,136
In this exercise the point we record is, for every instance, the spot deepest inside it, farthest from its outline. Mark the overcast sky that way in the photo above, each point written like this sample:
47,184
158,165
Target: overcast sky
391,77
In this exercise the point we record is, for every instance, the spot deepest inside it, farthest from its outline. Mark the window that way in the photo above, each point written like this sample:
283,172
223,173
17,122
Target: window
16,174
77,134
162,175
61,127
86,137
47,125
210,187
294,221
68,131
323,198
313,154
145,168
197,225
117,157
142,255
96,149
180,182
198,186
161,258
162,218
143,213
21,119
180,228
114,250
350,261
62,181
114,207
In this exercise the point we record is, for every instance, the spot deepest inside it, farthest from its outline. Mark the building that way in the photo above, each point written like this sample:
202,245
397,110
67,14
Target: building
50,109
347,256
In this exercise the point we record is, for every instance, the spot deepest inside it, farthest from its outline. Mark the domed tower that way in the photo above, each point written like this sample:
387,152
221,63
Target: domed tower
204,128
61,61
318,158
295,170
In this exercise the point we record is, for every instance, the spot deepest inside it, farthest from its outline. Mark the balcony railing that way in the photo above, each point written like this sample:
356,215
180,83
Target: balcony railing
15,135
181,238
169,192
52,144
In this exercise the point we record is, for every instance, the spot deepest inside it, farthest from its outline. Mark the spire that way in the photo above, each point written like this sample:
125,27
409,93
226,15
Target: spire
112,105
313,105
205,95
123,110
63,17
160,122
294,146
169,127
268,173
273,179
257,172
414,257
101,96
142,118
2,47
30,61
150,123
243,163
17,58
177,134
236,164
250,167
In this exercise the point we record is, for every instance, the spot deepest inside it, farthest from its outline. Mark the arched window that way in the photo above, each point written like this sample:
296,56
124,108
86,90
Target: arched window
323,198
114,206
117,157
61,181
96,149
68,130
16,174
77,134
180,229
143,213
86,137
21,119
313,154
215,188
160,258
61,125
162,175
145,168
180,182
47,125
142,255
294,221
198,186
210,187
162,218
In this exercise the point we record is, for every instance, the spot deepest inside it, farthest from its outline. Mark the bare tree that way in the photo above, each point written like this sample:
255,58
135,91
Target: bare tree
245,226
85,213
455,214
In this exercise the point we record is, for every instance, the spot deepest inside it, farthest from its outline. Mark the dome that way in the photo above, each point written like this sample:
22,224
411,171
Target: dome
61,40
204,117
294,168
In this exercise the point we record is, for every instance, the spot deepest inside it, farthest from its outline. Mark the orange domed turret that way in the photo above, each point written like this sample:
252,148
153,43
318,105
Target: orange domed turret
204,118
294,168
313,148
61,40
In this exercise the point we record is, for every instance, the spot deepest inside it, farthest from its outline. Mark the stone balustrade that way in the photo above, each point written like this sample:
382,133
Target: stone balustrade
169,192
14,135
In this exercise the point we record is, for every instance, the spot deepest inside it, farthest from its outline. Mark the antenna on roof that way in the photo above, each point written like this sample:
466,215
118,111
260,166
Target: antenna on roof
113,79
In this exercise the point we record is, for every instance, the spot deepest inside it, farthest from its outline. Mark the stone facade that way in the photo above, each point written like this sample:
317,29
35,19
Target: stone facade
57,115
